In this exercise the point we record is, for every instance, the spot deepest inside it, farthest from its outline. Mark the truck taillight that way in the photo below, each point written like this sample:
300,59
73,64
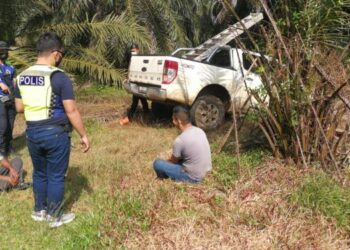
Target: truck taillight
169,71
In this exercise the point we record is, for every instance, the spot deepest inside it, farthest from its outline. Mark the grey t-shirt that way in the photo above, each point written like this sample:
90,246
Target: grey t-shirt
192,147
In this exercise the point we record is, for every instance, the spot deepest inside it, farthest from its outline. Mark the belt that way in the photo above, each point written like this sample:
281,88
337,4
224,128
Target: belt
66,128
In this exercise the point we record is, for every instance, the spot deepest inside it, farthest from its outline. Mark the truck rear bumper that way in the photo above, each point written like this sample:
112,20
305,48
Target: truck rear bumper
149,92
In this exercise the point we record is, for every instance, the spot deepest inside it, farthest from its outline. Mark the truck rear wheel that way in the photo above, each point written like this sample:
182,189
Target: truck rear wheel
208,112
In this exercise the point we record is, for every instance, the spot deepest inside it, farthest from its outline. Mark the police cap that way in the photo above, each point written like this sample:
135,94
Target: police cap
4,46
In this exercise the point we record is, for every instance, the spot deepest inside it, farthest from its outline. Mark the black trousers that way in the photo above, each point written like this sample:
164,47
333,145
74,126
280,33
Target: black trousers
7,120
135,101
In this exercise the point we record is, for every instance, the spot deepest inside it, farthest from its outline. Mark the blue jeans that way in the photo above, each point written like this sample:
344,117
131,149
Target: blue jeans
49,148
165,169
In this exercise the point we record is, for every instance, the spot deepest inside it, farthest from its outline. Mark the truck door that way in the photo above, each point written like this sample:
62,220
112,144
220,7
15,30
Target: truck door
243,62
225,73
250,68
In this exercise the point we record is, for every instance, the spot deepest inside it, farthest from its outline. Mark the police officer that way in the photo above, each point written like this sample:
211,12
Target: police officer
45,94
7,118
134,50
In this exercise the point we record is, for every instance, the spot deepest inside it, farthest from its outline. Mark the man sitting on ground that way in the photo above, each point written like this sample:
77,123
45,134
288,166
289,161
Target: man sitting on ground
11,175
191,156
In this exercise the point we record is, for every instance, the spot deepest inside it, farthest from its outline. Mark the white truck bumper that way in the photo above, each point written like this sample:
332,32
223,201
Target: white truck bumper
153,93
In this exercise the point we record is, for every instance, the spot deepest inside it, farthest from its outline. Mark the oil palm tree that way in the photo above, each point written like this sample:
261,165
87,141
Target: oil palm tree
172,23
95,42
8,19
97,33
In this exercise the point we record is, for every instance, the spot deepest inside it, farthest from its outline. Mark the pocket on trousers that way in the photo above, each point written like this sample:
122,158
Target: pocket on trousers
44,135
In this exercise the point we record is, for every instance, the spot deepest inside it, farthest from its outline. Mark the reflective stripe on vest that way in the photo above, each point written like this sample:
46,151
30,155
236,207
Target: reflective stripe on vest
35,88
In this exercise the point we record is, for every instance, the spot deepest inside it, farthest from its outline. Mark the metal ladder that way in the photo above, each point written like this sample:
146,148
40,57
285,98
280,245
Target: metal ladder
205,49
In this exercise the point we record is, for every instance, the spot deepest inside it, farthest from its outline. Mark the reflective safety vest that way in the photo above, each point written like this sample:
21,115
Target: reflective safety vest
36,91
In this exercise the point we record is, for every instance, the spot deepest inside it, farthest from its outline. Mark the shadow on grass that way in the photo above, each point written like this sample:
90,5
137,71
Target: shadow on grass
19,142
148,119
76,182
250,136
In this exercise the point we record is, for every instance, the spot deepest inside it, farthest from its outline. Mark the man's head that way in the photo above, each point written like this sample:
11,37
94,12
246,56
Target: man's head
181,117
4,51
134,49
50,47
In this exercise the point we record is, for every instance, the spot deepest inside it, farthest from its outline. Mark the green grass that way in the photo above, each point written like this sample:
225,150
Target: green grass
34,235
119,204
226,171
101,91
320,193
100,94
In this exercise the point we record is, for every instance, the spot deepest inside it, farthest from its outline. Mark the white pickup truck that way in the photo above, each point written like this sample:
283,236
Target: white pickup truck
208,86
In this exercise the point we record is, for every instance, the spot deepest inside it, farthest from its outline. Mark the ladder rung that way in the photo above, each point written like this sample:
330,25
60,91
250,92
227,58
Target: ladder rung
206,46
216,39
192,56
244,20
200,50
210,42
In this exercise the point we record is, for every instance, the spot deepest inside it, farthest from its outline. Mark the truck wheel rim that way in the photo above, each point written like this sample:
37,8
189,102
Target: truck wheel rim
208,114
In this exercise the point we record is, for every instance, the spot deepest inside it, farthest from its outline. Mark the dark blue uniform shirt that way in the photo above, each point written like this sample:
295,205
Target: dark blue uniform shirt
7,73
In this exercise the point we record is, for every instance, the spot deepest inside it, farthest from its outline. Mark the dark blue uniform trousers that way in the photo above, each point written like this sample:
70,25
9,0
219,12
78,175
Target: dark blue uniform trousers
7,119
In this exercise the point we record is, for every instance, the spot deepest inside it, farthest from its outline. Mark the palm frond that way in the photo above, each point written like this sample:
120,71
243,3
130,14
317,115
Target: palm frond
98,34
110,26
177,31
88,62
100,73
121,27
22,58
92,54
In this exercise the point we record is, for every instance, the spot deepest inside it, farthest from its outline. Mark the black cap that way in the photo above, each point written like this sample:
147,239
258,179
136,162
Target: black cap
134,46
3,46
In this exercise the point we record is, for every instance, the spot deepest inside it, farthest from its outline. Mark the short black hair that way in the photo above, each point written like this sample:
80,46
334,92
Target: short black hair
182,113
49,41
134,46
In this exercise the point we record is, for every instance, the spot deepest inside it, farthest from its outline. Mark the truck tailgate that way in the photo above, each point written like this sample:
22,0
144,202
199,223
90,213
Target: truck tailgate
146,69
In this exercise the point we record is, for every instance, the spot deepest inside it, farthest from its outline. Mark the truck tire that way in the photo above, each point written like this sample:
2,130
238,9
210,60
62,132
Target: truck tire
161,110
208,112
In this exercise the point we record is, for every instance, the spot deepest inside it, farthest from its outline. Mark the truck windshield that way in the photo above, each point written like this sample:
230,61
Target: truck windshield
221,58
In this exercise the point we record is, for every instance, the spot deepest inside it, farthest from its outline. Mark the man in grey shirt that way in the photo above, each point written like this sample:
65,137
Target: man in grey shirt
191,156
